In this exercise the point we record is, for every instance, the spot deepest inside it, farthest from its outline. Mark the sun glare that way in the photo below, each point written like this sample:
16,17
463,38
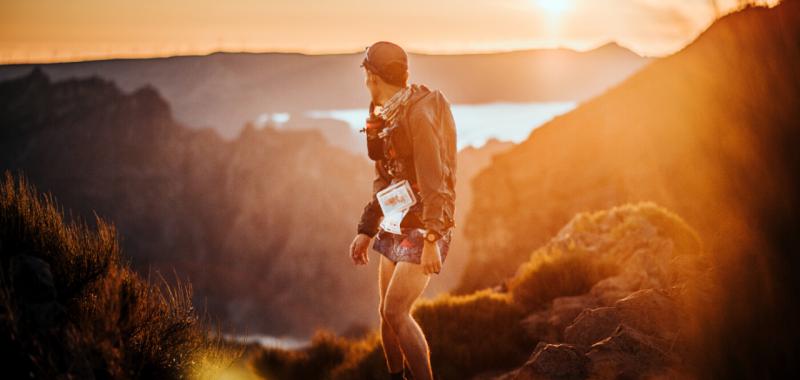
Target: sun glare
554,7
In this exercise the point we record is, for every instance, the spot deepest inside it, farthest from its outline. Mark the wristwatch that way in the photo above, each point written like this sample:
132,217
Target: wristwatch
431,236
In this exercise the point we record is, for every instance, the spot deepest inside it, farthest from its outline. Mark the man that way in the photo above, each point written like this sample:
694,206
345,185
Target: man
417,144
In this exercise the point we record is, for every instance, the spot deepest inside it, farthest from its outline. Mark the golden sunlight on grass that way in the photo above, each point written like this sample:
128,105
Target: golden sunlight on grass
220,365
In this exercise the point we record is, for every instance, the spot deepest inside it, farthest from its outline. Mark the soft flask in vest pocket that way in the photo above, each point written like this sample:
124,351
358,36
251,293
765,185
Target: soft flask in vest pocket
374,142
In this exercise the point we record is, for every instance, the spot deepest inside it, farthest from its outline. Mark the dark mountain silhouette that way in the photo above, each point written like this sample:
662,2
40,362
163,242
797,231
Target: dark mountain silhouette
711,133
225,90
259,224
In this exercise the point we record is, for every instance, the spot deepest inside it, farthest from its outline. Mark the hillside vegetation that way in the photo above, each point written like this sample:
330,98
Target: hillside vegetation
70,306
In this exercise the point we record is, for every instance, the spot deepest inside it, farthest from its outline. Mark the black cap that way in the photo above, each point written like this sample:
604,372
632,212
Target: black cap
388,60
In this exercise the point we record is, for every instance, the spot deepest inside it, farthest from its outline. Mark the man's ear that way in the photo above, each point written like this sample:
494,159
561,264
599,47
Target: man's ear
374,78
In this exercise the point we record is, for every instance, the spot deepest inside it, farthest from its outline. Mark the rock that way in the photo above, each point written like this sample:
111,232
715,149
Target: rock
566,309
554,361
610,290
650,311
592,326
629,354
548,325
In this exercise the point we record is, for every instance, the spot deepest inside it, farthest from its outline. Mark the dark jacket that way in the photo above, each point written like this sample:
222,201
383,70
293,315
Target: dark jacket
425,141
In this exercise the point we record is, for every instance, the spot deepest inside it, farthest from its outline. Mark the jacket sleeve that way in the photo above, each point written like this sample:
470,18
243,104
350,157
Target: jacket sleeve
372,214
429,162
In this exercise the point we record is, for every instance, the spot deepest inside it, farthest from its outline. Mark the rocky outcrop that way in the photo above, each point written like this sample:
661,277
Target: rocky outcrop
638,337
552,361
630,324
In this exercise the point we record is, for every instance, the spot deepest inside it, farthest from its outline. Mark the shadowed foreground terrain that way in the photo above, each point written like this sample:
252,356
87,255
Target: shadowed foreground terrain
70,306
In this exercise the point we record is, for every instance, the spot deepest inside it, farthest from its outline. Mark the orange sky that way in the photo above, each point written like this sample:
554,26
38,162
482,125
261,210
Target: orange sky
57,30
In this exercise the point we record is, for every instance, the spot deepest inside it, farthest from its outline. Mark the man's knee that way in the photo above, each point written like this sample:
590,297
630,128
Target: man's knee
393,313
380,310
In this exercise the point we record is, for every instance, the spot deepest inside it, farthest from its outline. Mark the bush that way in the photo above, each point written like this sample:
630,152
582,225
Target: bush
315,362
70,308
473,333
551,275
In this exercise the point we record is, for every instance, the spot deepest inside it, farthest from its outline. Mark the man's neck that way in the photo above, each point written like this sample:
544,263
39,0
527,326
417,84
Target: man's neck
385,96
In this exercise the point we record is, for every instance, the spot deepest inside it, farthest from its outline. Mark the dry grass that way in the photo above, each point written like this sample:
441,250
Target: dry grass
111,323
548,276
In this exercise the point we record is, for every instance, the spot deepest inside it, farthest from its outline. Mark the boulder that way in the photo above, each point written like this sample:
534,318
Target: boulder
592,326
548,325
610,290
554,361
628,353
650,311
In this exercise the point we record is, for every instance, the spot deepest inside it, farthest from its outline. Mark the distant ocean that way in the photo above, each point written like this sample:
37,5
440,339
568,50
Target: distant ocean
475,123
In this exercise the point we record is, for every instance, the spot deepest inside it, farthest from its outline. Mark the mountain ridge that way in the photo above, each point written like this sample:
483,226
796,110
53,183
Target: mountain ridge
226,90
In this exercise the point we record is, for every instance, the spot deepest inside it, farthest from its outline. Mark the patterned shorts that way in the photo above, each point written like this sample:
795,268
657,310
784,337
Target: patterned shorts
408,246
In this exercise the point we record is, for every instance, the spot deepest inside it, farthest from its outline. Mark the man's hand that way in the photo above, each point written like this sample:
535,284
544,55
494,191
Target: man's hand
431,260
358,249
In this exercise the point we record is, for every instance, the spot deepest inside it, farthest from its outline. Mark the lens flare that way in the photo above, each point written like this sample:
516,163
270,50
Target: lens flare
554,7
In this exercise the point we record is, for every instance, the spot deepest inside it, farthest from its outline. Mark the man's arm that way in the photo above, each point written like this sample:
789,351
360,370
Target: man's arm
429,165
371,216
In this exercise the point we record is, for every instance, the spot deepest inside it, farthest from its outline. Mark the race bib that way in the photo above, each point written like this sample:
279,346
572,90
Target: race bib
395,201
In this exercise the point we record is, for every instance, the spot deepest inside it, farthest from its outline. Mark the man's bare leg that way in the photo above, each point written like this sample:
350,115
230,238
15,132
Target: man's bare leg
391,346
407,284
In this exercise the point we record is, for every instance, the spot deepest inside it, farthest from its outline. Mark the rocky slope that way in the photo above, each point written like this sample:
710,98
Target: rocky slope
678,132
634,323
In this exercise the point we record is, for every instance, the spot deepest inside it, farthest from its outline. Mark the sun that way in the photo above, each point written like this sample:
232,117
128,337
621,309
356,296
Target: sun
554,7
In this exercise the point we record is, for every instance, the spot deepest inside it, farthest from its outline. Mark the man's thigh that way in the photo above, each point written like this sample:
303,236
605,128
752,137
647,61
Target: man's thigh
385,272
406,285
